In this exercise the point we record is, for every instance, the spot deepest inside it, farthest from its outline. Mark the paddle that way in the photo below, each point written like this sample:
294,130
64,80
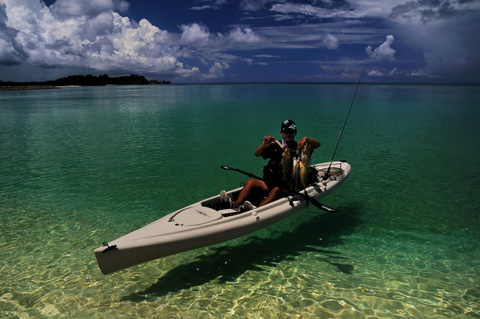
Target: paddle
310,199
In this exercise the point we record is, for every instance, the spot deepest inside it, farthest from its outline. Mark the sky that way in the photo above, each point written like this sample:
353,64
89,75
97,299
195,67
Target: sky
204,41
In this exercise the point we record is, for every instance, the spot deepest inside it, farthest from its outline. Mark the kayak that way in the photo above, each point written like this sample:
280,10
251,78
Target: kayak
207,222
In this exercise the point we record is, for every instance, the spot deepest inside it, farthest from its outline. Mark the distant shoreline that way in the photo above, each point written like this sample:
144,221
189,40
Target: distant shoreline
44,87
26,87
79,80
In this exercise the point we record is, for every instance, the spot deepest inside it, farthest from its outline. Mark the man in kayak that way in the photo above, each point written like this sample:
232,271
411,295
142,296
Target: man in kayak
278,172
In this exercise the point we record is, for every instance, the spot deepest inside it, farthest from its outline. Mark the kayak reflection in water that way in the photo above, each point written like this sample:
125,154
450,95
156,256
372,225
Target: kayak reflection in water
287,168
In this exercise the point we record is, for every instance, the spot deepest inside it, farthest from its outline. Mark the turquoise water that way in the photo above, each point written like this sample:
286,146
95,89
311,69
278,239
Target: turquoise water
79,166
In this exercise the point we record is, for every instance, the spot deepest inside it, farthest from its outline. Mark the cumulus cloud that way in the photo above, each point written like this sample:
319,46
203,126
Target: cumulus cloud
384,52
194,34
8,54
75,8
216,71
245,35
330,42
93,35
66,36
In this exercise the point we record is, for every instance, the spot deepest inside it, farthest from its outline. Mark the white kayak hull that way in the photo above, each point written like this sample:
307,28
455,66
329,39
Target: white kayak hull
198,225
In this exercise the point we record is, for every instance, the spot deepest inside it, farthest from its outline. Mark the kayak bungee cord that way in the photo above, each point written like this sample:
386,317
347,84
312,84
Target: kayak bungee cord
341,132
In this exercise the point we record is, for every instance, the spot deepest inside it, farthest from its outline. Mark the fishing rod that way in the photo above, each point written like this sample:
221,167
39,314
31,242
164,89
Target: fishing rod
343,128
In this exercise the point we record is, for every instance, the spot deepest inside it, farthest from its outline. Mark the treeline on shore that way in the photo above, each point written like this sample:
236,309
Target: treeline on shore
88,80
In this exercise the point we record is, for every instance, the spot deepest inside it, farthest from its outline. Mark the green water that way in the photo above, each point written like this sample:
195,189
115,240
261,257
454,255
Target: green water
79,166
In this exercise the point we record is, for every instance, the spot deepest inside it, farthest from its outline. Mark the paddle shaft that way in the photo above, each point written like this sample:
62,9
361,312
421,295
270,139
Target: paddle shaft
310,199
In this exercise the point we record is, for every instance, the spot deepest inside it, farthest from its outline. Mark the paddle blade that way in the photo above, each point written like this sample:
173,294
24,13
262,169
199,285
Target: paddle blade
328,209
321,206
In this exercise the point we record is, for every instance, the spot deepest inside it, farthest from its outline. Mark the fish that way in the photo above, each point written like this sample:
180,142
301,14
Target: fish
303,175
300,167
305,156
286,166
296,180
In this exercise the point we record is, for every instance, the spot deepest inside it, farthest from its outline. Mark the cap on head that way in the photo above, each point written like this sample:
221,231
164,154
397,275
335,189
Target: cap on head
289,127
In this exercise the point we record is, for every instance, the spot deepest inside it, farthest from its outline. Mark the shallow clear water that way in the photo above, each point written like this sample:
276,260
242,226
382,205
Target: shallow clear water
79,166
